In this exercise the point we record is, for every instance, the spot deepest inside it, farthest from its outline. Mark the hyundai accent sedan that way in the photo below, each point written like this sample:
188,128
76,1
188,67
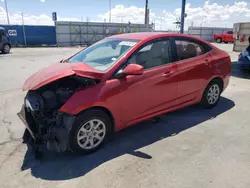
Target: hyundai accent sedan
117,82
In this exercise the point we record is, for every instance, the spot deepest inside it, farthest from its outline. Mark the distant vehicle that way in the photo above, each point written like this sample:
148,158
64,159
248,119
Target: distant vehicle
120,81
226,37
5,45
244,60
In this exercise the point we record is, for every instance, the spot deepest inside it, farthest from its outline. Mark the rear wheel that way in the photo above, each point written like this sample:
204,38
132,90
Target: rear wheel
6,49
211,95
218,40
90,131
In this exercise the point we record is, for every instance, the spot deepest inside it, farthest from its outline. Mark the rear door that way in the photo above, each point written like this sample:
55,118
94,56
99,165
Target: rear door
193,68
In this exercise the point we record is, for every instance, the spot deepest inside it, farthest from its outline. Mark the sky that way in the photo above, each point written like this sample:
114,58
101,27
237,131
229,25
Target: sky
219,13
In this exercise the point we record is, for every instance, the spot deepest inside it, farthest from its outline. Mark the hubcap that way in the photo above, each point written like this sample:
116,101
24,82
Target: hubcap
91,134
213,94
6,48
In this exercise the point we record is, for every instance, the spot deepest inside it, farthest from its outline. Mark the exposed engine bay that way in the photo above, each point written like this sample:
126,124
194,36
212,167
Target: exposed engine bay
44,122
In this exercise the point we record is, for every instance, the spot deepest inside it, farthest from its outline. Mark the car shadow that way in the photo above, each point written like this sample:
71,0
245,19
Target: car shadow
2,54
236,72
64,166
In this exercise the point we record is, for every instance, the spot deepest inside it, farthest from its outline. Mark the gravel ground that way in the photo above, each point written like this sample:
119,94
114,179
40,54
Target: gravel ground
190,148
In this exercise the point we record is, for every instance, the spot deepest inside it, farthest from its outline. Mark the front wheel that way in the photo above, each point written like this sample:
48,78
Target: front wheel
211,95
6,49
90,131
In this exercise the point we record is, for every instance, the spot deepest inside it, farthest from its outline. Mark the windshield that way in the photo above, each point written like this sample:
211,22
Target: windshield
102,55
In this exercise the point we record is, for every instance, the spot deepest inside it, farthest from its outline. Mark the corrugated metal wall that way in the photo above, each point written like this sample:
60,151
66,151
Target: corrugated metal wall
86,33
207,33
239,30
35,35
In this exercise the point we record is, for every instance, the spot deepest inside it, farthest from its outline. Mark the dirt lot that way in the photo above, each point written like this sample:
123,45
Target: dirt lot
190,148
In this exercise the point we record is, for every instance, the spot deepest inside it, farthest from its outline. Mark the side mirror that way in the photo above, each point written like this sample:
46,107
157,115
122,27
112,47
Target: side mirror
133,69
64,61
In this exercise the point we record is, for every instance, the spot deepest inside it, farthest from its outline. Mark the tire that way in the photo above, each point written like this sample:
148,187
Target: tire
211,95
6,49
26,136
84,137
226,42
218,40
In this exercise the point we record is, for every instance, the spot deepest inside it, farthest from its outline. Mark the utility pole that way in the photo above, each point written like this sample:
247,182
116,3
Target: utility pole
192,25
146,12
109,11
24,35
7,13
183,16
161,23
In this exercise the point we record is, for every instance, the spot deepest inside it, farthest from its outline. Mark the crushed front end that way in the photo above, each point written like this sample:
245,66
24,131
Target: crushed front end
40,112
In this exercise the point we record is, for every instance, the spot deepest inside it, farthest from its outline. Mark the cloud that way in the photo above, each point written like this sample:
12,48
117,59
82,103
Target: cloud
16,18
125,14
43,1
213,14
209,14
43,19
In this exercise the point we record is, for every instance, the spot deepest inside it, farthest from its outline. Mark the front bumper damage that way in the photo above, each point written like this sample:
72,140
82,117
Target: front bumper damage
55,135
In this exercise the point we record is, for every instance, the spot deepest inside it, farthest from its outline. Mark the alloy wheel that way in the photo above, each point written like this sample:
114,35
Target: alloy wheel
213,94
6,49
91,134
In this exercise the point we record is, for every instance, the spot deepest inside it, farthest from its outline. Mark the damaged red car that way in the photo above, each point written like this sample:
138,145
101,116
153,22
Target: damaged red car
117,82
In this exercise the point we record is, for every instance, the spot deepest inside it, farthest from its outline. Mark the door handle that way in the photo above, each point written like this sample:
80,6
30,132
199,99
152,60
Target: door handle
167,74
206,61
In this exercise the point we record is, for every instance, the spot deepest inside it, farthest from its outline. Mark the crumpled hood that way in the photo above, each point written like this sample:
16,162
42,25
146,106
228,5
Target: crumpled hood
58,71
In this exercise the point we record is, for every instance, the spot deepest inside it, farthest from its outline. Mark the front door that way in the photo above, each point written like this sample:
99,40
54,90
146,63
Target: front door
156,89
193,68
229,36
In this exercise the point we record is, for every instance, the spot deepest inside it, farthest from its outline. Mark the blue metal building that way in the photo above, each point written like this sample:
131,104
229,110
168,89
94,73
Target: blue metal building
34,35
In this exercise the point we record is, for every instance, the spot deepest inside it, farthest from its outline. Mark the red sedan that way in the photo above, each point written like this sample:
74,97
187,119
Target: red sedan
117,82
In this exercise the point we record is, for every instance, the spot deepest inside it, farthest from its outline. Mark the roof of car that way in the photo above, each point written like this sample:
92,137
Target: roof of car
147,36
144,35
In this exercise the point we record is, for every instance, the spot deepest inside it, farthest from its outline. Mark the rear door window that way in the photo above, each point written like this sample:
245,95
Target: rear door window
186,48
